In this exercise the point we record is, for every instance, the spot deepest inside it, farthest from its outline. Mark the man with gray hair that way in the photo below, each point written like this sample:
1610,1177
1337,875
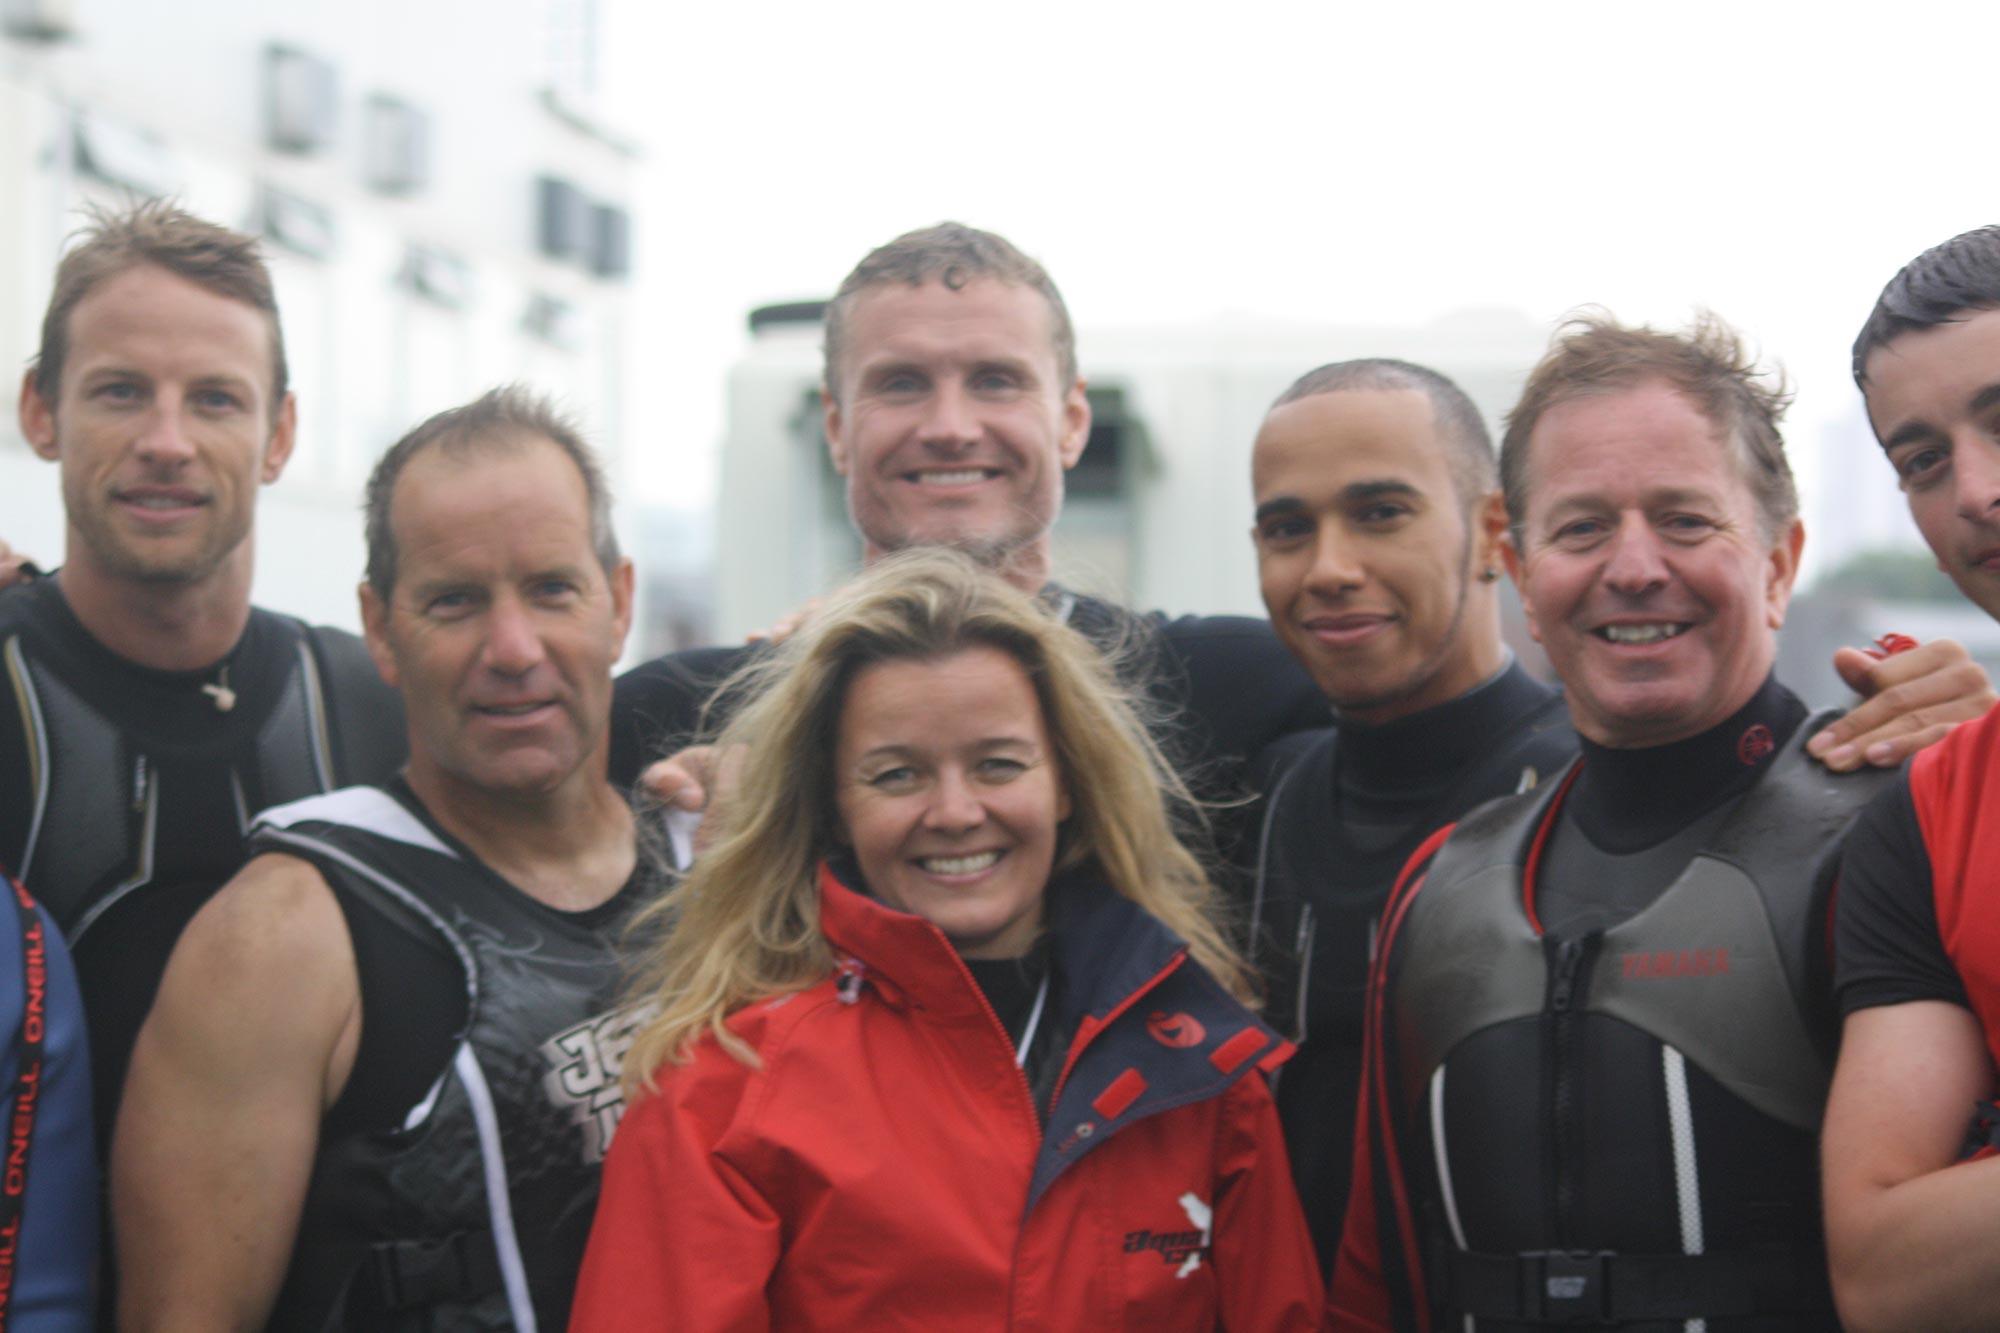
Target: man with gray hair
1599,1032
385,1057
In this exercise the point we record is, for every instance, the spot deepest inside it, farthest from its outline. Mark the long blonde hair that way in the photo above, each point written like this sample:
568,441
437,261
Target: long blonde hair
744,923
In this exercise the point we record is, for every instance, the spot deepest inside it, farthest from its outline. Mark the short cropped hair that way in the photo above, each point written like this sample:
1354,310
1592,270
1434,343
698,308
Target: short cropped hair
499,418
1943,284
1468,445
955,255
158,233
1593,354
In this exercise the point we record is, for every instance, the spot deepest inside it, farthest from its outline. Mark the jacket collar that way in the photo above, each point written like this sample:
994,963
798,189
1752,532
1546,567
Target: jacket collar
1107,947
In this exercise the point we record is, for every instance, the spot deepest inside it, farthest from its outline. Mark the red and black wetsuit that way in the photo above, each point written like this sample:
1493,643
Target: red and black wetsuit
1599,1041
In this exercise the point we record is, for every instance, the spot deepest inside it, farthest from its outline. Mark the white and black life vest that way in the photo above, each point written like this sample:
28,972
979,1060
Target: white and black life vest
474,1212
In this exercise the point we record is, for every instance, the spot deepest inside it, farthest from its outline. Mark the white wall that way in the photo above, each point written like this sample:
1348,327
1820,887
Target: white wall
369,357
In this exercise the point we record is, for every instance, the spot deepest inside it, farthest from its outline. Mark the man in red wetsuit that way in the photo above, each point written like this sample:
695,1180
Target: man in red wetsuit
1913,1230
1598,1030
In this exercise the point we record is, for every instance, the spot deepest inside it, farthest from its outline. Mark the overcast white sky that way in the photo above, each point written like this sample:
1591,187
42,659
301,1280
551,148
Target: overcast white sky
1326,161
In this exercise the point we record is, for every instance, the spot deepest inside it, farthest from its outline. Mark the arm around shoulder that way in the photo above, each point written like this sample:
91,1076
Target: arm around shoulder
251,1038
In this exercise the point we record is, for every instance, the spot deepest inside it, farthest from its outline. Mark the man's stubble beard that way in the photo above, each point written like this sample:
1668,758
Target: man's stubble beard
126,560
995,552
1428,669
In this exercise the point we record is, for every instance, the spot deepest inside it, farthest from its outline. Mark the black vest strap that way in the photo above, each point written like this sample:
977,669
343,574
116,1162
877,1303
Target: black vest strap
364,714
432,1271
1582,1287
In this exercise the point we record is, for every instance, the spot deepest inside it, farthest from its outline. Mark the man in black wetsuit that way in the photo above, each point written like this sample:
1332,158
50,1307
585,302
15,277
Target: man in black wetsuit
1371,480
147,710
953,406
1622,971
408,994
1911,1222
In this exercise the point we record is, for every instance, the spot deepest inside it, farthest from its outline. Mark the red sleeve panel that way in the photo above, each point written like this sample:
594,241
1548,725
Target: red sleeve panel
1955,786
1377,1243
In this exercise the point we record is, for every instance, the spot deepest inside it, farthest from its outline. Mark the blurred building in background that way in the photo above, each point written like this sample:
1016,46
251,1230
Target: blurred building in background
441,206
1857,505
1158,509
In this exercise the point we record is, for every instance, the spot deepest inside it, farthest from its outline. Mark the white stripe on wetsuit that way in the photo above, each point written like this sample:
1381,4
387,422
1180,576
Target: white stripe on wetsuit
1444,1168
1687,1179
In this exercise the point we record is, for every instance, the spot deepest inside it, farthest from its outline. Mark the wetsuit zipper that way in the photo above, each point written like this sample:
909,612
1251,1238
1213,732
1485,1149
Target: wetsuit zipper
1567,967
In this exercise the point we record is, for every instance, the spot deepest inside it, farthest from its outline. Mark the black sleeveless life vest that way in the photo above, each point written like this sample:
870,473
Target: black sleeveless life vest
1621,1126
136,787
473,1214
97,785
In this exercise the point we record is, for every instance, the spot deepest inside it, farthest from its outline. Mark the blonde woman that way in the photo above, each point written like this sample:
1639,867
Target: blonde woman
947,1035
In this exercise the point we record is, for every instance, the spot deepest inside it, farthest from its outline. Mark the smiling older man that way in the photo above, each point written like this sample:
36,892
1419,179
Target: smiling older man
1599,1031
384,1059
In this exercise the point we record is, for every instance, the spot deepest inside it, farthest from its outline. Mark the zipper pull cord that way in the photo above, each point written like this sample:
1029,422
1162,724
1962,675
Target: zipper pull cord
1034,1021
848,988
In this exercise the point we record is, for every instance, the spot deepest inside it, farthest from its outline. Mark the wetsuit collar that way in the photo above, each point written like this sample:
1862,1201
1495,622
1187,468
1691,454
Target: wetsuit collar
1437,744
1629,799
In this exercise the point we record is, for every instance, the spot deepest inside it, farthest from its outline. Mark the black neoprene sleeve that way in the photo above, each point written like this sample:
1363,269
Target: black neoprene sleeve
1887,949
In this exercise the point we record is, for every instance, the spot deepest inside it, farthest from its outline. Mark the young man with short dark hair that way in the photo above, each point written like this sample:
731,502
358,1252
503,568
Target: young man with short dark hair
1910,1196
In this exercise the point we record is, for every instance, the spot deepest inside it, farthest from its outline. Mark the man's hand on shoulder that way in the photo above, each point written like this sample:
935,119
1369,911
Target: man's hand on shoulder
251,1038
786,625
686,783
1910,699
16,567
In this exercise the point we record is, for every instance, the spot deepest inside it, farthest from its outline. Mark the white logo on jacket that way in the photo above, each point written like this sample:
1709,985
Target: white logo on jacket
1203,1218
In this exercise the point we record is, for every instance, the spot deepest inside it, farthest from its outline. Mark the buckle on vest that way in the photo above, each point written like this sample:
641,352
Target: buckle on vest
1565,1286
408,1274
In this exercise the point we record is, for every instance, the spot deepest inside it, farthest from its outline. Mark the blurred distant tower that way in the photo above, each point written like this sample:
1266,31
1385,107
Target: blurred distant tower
441,204
1158,509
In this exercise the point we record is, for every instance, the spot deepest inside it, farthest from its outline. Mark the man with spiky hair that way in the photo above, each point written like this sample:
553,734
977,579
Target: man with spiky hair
953,406
1598,1028
149,708
1909,1195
